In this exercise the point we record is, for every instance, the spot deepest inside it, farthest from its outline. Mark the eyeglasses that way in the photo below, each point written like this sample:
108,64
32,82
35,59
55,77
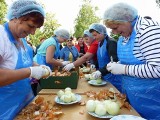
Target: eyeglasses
69,40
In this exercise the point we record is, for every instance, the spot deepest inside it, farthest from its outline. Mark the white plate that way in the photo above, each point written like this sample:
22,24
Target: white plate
93,82
57,100
127,117
104,116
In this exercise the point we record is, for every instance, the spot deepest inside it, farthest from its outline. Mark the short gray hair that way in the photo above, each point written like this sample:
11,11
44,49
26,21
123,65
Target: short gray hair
121,12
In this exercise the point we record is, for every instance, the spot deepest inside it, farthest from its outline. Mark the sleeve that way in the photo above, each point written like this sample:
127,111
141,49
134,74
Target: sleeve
112,49
148,40
2,44
50,42
104,71
93,48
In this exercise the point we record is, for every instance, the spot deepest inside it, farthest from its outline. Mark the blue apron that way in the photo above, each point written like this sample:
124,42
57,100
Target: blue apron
41,59
143,94
17,95
74,52
103,59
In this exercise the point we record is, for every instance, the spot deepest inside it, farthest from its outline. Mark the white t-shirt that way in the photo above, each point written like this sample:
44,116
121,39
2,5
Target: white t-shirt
8,51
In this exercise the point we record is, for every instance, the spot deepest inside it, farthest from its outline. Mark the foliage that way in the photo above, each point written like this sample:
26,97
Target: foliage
46,30
85,18
114,36
3,10
158,2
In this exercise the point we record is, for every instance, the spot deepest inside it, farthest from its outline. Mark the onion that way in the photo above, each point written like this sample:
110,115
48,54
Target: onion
107,104
46,73
113,108
91,105
100,110
68,89
62,98
73,97
68,92
99,81
97,102
67,98
60,93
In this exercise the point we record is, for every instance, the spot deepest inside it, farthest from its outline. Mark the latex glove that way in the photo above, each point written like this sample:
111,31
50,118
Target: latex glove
116,68
48,68
96,74
65,63
92,66
68,67
37,72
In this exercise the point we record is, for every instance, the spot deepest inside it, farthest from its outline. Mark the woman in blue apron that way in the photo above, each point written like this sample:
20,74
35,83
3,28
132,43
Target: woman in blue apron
139,63
69,52
49,50
90,55
15,65
103,56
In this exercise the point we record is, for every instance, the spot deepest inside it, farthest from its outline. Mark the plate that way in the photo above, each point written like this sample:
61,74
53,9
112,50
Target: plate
104,116
57,100
93,82
127,117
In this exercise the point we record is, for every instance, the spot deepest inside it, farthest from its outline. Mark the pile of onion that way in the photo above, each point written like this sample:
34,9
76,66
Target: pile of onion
101,108
66,96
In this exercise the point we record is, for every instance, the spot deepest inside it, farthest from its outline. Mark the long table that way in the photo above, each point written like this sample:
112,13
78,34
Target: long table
76,111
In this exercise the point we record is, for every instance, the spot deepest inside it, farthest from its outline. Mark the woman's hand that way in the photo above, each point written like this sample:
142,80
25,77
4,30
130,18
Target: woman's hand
116,68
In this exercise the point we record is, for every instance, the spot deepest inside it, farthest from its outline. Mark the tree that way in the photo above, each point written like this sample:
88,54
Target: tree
3,10
46,31
115,37
85,18
158,2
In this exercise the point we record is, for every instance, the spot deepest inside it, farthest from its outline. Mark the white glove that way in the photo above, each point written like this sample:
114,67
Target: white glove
96,74
65,63
116,68
37,72
48,68
92,66
68,67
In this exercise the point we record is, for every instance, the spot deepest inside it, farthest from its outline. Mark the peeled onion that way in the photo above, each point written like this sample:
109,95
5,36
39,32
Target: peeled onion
100,110
97,102
62,98
91,105
67,98
107,104
68,92
73,97
68,89
113,108
60,93
99,81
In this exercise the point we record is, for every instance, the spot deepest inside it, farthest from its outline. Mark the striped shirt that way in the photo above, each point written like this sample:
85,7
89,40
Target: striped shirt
146,49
